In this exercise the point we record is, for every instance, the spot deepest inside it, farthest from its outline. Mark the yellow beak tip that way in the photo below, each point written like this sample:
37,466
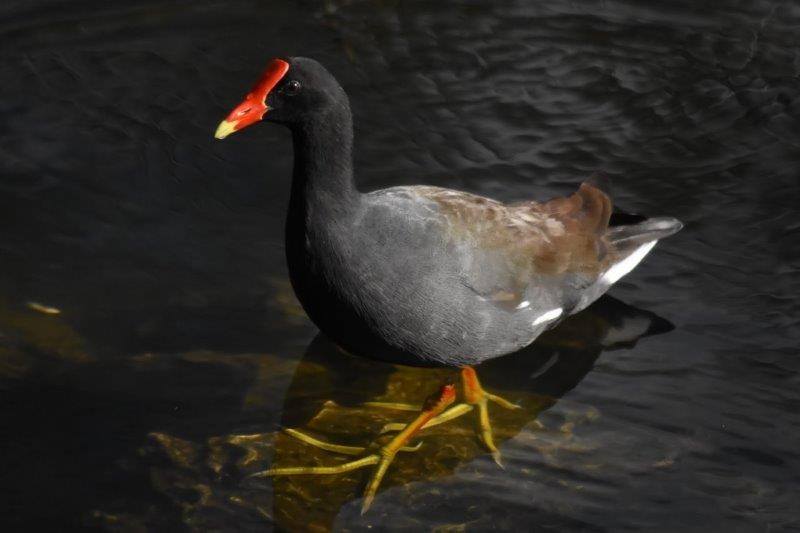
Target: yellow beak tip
224,129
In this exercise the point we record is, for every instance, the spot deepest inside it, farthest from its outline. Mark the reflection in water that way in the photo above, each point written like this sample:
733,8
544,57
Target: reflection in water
209,480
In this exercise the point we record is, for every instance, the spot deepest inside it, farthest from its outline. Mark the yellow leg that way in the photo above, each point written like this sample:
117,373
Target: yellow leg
485,429
338,469
338,448
435,406
436,411
474,395
394,405
450,414
502,402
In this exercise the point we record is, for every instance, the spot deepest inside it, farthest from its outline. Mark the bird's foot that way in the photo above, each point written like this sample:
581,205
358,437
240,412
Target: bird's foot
474,397
383,457
338,448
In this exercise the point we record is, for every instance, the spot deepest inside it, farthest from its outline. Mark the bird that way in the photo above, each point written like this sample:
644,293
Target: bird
423,275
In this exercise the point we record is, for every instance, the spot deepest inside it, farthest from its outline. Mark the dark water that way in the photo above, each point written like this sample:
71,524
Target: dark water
179,351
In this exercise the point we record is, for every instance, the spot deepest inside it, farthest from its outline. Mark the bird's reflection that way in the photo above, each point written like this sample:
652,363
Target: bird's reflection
329,388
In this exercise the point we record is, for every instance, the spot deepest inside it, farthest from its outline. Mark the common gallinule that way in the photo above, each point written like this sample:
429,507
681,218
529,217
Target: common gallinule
423,275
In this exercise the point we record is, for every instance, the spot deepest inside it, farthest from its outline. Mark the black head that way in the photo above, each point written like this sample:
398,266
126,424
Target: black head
290,91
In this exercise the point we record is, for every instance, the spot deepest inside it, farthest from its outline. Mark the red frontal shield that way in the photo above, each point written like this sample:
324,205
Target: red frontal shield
254,105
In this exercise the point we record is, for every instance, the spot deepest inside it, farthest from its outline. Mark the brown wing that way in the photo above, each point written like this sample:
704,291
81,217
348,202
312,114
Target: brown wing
582,245
562,235
506,251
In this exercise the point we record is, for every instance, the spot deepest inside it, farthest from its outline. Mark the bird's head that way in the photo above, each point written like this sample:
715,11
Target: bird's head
290,91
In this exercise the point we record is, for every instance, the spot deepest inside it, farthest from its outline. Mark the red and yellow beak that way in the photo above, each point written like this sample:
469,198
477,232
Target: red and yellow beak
254,105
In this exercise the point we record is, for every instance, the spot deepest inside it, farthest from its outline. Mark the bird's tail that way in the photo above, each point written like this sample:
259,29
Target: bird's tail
632,236
627,231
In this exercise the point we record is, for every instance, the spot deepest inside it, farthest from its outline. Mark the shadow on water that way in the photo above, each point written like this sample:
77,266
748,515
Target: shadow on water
170,441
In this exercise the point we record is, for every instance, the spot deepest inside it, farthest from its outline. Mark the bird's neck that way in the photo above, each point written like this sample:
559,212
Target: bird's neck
322,183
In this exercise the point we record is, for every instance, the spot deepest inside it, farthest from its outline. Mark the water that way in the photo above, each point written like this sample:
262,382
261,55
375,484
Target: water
179,352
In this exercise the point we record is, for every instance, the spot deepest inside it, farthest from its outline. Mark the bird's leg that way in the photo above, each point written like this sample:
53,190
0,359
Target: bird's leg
394,405
452,413
338,448
474,396
434,406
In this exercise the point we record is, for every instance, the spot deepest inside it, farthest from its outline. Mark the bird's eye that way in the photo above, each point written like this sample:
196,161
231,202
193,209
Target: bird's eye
292,88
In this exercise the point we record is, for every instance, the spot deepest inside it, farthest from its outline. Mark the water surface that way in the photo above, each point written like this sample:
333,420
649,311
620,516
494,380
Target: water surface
179,351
